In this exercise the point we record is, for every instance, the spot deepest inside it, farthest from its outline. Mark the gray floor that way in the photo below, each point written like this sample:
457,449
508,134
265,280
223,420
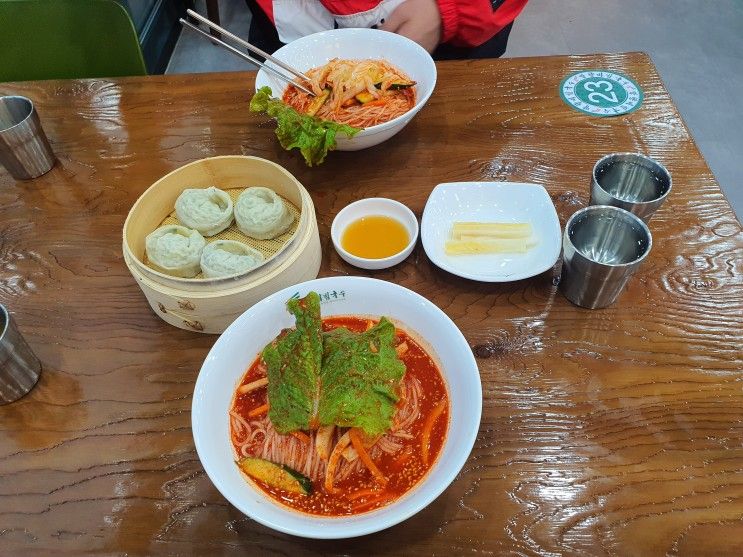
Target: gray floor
194,54
697,47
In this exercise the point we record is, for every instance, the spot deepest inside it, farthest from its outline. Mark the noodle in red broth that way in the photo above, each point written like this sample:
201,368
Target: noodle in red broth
360,93
401,457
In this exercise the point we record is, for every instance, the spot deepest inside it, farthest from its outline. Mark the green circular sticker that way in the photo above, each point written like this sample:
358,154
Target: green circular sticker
601,93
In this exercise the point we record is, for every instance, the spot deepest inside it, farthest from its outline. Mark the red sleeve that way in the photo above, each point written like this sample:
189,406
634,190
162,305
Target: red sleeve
267,7
472,22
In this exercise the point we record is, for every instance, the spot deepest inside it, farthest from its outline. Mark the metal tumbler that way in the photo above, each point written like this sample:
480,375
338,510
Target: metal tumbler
631,181
24,148
602,247
19,367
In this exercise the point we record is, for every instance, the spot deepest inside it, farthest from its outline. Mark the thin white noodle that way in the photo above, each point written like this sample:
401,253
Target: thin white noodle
346,79
265,442
387,445
411,391
242,425
254,434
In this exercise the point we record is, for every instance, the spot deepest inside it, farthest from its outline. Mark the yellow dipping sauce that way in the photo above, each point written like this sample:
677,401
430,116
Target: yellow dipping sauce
375,237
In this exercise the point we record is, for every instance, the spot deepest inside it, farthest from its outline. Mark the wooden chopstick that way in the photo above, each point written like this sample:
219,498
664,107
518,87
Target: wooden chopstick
244,56
247,45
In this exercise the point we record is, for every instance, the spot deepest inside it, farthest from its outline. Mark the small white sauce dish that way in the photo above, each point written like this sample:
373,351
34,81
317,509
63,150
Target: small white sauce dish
370,207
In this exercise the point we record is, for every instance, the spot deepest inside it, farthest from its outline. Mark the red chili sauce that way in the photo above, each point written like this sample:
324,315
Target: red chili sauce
360,492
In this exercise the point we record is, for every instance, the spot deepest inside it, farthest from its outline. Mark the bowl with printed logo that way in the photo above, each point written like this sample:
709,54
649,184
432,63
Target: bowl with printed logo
272,499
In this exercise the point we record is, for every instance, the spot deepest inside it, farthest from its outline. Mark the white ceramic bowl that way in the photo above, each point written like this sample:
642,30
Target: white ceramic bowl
319,48
368,207
491,202
236,349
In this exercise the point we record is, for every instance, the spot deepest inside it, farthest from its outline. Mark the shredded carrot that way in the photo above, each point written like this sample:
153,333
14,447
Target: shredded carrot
428,427
257,384
335,456
301,435
384,498
378,102
363,493
262,409
358,444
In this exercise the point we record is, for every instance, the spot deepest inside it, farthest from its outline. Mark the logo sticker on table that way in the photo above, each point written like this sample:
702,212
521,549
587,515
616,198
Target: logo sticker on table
601,93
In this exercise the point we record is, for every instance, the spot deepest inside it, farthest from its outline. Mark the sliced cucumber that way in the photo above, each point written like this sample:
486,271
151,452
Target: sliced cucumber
317,102
396,85
276,475
364,97
402,84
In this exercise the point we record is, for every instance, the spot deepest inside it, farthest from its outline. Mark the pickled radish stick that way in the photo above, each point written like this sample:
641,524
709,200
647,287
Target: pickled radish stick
488,245
491,229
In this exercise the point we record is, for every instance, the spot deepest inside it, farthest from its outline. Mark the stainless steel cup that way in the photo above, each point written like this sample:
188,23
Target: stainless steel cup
19,367
631,181
602,247
24,148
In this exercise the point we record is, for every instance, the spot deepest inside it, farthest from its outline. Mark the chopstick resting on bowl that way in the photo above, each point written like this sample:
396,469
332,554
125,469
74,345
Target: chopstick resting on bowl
250,47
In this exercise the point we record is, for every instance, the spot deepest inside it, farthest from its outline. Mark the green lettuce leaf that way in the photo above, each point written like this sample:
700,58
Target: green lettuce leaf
312,136
337,378
360,376
293,364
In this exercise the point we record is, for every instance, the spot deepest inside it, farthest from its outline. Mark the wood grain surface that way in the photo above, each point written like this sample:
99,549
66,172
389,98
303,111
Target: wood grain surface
606,432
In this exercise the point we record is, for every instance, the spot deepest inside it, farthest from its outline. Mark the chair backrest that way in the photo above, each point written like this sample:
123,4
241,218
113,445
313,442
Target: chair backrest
49,39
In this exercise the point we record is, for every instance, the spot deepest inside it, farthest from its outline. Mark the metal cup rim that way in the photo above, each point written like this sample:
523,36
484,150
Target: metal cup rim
646,229
30,112
643,156
6,321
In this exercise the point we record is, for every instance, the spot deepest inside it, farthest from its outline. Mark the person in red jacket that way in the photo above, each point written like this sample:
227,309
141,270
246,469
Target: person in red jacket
449,29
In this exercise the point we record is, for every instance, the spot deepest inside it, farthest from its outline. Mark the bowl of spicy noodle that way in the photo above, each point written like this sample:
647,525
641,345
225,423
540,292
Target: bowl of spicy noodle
337,407
369,79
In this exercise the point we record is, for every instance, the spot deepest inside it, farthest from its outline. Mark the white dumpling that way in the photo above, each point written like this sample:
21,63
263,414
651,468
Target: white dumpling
175,250
261,214
207,210
223,258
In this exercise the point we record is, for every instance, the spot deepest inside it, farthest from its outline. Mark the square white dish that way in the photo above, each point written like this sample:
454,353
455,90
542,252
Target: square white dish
509,202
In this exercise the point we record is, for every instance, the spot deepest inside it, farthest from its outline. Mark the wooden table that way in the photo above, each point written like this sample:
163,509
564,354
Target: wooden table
614,431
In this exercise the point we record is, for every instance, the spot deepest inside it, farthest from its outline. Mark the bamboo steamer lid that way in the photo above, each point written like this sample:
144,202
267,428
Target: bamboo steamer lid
210,305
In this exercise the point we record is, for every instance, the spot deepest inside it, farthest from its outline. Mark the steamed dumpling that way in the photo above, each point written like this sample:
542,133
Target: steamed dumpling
261,214
207,210
175,250
223,258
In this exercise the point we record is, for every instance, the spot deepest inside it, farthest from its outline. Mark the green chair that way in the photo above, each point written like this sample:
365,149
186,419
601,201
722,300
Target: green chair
51,39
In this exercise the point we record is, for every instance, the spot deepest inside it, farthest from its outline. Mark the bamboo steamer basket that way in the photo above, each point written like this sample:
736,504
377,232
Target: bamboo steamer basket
210,305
